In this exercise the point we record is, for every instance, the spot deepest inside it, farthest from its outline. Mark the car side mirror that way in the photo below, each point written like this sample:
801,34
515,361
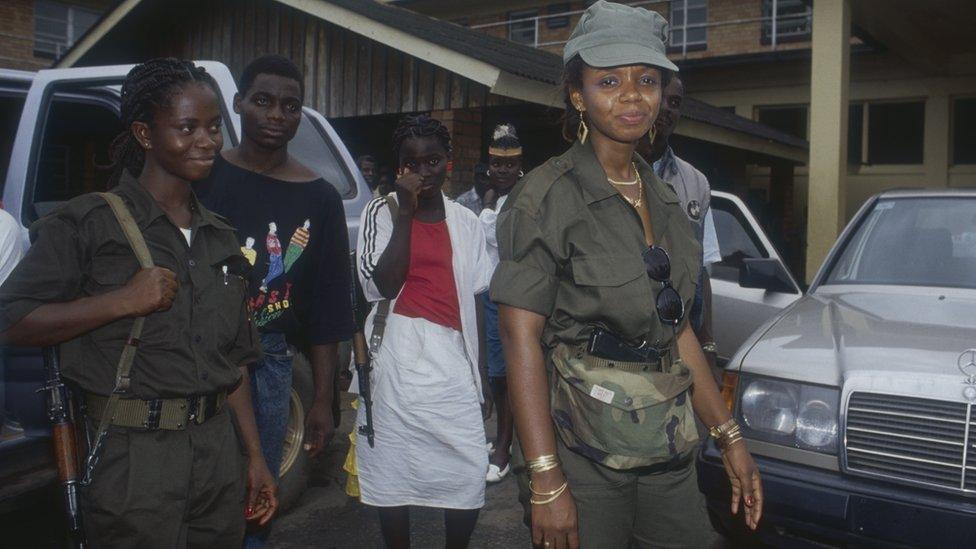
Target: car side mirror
765,274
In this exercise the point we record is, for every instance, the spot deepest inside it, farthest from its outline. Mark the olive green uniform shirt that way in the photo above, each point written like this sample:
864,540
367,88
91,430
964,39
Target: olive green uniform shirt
570,248
193,348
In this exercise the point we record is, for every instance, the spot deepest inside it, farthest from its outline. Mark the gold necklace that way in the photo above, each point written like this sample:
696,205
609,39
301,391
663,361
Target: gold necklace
637,202
627,183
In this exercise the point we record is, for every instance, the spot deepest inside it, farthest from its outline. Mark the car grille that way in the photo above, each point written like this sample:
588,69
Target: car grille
912,440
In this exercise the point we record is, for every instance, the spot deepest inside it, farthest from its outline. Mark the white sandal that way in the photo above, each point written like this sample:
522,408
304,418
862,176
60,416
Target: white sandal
496,474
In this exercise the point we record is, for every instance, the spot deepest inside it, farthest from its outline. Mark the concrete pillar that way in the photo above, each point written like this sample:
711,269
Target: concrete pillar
781,196
826,193
937,140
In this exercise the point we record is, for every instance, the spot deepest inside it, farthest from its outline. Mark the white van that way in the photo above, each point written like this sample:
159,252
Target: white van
55,130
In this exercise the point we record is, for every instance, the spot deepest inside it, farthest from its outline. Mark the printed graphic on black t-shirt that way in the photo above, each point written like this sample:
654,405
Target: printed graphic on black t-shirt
294,236
273,299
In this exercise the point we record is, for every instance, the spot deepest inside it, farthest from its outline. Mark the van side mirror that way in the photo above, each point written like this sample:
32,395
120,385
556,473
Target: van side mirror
765,274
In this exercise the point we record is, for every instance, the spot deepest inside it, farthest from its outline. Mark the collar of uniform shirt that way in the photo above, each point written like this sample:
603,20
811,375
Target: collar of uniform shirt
145,210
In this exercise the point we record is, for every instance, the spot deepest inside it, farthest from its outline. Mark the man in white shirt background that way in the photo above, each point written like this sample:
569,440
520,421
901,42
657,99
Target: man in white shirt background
12,245
12,248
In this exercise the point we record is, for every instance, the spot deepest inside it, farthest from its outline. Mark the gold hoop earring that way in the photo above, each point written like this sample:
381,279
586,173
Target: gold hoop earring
651,134
582,131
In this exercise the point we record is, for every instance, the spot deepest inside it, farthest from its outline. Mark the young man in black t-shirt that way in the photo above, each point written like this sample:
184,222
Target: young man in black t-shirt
292,229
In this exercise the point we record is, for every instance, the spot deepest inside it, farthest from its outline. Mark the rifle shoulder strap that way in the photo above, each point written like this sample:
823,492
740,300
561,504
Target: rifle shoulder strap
141,251
383,307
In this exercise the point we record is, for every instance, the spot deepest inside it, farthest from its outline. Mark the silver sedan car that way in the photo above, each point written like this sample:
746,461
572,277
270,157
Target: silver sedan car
857,400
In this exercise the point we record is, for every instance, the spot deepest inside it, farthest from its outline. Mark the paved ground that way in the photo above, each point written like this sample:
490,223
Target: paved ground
325,517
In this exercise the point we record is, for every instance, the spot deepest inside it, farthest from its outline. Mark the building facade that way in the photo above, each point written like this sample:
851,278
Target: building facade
34,33
908,113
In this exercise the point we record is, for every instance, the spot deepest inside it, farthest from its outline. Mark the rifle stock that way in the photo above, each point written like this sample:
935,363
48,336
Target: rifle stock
361,358
65,441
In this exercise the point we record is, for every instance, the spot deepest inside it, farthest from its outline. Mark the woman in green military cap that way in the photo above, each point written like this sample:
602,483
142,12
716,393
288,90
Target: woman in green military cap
599,264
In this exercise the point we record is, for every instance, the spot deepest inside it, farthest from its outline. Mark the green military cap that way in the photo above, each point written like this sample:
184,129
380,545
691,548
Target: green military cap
613,35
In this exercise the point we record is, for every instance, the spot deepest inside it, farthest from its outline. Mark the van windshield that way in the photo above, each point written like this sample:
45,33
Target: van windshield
912,242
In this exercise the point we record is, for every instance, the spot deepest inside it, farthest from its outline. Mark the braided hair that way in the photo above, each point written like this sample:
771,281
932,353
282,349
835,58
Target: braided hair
147,88
420,126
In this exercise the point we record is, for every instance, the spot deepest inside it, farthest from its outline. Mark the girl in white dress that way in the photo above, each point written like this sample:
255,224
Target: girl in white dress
428,258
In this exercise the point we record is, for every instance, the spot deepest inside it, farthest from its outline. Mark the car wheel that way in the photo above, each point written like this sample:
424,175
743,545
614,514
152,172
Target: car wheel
294,470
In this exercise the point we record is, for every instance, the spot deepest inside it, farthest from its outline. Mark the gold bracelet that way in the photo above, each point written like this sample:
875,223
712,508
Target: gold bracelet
552,498
542,463
719,431
727,443
554,492
544,468
731,437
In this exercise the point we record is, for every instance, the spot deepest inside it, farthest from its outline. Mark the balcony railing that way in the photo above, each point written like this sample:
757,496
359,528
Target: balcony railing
780,25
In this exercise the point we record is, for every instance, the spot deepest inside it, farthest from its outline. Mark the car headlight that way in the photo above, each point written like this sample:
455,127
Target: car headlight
788,413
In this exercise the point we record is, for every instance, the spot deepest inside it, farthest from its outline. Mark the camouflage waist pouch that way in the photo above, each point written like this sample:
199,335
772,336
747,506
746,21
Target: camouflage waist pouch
622,415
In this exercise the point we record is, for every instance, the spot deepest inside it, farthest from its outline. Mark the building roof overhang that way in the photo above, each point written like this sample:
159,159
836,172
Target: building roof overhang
934,36
507,69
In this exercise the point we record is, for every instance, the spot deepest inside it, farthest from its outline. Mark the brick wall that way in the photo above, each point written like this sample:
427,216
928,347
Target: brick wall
723,40
465,126
17,36
17,33
736,38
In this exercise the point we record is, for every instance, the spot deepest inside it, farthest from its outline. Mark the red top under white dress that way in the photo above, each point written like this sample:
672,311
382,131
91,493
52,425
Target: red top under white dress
429,292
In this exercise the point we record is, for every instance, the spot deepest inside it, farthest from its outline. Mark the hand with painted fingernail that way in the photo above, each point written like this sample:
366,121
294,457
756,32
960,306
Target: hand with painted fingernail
746,483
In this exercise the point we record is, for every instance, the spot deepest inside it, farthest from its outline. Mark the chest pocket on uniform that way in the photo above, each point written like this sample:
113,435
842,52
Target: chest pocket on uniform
109,272
611,270
229,273
615,281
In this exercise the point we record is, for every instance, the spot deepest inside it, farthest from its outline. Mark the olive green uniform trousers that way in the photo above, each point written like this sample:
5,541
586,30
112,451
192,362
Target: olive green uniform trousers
620,509
168,489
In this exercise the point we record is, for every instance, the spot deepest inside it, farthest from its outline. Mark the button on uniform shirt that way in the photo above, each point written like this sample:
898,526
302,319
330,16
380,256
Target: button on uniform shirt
193,348
695,196
570,248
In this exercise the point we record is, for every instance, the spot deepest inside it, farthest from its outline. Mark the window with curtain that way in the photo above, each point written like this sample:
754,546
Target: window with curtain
794,21
688,19
57,26
522,32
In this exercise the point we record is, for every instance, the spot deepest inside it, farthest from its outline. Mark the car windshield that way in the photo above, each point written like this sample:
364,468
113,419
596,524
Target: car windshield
912,242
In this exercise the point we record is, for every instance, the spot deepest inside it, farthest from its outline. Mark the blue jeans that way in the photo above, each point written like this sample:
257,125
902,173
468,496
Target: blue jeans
496,357
271,394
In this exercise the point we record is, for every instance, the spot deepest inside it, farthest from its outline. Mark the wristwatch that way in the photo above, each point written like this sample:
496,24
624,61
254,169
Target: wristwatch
710,347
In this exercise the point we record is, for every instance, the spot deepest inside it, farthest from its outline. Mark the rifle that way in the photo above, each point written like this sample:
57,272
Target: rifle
63,436
361,359
363,368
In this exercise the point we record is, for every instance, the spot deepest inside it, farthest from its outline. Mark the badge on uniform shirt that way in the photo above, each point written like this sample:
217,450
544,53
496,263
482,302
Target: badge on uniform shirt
694,210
